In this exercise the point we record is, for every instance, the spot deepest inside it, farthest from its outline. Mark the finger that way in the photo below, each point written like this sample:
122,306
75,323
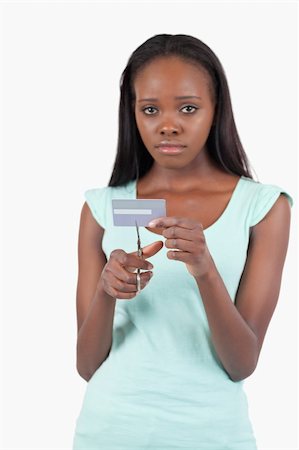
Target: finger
123,291
177,232
180,244
121,273
166,222
122,286
179,255
121,295
137,262
151,249
121,258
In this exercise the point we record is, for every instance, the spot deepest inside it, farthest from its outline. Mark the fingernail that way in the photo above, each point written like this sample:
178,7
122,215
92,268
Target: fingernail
152,223
150,266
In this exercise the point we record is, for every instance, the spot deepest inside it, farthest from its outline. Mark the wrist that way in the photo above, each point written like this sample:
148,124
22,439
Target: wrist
102,295
209,275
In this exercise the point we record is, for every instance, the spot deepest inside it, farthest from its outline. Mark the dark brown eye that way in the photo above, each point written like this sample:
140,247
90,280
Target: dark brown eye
189,109
149,110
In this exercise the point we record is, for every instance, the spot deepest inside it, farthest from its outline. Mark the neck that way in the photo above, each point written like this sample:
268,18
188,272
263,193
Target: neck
186,178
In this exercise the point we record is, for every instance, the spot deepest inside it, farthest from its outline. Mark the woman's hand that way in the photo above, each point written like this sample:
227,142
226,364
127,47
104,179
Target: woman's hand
186,235
118,278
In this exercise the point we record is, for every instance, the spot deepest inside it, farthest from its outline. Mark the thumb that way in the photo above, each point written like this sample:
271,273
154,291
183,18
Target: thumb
151,249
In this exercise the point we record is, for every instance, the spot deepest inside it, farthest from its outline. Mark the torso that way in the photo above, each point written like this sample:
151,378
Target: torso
205,204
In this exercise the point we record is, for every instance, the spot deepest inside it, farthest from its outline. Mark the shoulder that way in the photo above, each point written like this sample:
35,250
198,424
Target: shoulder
97,193
264,199
99,200
275,224
264,190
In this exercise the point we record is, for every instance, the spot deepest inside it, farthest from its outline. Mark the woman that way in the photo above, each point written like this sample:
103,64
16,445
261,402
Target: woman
165,367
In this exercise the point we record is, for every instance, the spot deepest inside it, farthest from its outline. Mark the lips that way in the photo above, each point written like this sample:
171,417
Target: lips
170,147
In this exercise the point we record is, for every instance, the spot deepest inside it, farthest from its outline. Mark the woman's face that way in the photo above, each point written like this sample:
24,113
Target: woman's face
174,111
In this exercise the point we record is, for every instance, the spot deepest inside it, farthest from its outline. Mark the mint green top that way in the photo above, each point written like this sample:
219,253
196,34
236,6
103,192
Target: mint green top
162,385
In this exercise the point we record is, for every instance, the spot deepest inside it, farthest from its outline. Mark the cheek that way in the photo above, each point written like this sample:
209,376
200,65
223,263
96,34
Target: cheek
201,126
145,127
139,121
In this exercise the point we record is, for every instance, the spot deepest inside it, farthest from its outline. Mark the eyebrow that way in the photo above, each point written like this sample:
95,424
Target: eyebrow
181,97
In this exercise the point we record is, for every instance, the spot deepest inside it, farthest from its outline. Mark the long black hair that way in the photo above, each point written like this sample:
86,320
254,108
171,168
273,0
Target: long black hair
223,144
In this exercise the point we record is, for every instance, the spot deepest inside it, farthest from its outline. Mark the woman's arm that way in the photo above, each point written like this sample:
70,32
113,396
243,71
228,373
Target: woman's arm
95,308
100,283
238,330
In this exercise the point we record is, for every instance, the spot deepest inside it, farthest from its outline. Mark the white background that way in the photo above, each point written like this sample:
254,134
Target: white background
61,67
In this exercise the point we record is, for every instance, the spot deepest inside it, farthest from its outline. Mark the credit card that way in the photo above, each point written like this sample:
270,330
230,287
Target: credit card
125,212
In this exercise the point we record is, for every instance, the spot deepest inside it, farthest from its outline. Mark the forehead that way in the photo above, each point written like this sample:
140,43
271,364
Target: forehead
171,74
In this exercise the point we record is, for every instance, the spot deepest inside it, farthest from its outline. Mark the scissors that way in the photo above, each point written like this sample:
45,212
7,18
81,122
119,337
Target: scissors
140,253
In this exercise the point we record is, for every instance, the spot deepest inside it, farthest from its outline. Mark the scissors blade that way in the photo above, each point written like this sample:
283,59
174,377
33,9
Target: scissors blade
139,254
138,240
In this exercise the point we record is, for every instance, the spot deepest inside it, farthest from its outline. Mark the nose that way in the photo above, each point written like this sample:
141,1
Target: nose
169,127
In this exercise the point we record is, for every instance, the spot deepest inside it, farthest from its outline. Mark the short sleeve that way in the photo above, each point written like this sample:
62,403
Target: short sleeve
96,200
265,199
